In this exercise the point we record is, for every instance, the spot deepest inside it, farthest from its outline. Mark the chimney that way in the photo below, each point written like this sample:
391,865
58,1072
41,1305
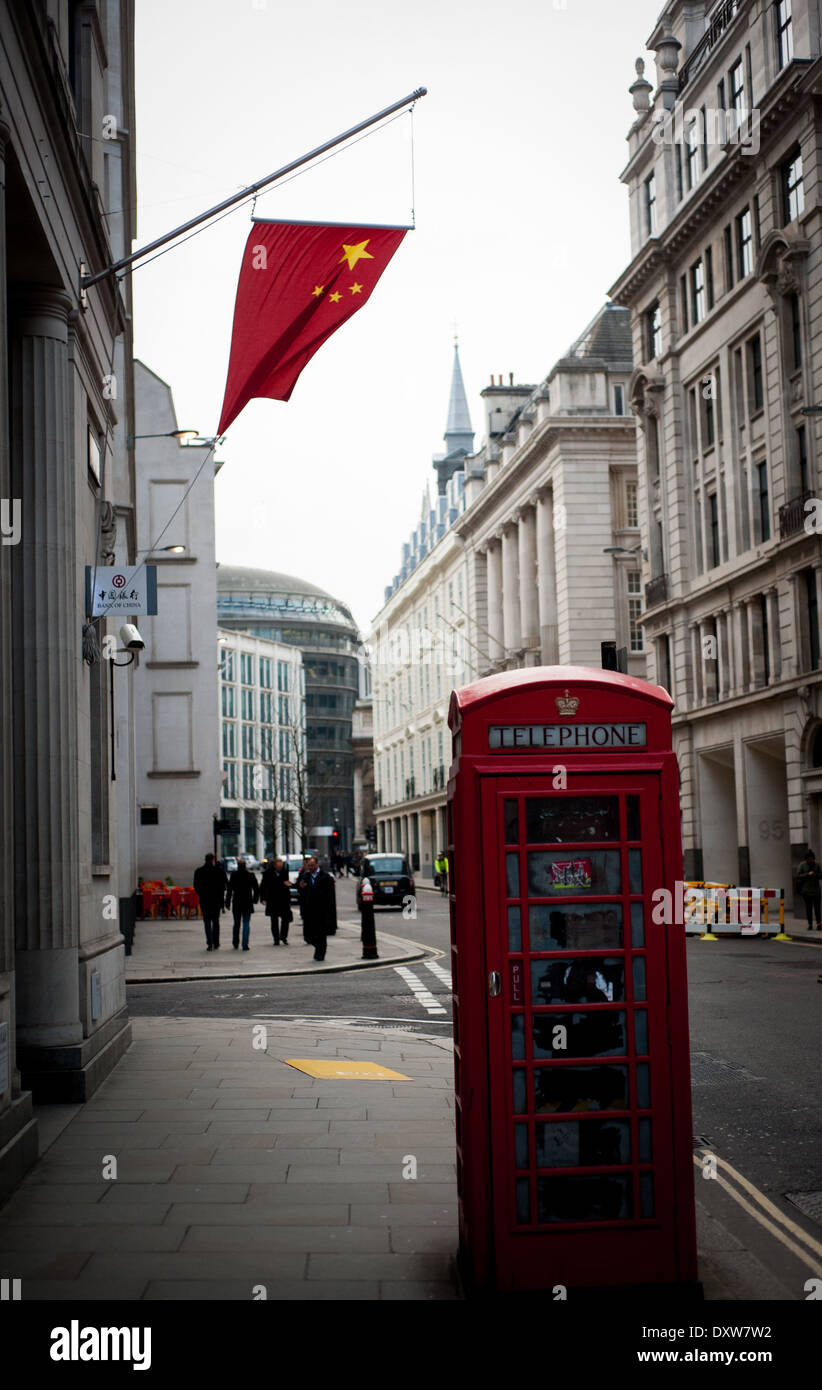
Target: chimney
510,378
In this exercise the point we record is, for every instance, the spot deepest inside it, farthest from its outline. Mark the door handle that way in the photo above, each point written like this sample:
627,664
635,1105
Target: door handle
494,983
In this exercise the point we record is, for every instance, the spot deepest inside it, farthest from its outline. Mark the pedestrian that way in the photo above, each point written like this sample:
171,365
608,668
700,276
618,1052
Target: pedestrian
441,871
809,883
210,886
318,905
242,894
274,892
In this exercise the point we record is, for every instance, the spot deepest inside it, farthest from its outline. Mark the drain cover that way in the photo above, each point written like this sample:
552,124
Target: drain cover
808,1202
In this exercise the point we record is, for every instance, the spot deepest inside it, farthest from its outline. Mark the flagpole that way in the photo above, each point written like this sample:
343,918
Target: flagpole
86,281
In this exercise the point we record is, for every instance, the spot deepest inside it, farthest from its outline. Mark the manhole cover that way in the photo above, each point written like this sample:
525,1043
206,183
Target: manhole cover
808,1202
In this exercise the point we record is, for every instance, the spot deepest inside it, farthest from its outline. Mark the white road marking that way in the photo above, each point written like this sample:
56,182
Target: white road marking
444,976
421,994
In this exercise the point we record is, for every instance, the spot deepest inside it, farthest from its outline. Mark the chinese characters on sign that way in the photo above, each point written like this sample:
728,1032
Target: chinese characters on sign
113,590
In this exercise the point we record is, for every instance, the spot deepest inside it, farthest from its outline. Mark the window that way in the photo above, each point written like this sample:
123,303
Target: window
756,392
784,32
284,713
802,459
713,526
736,90
230,781
744,243
635,636
248,741
720,94
764,504
729,260
692,154
229,739
265,672
709,276
796,331
282,675
650,205
793,193
246,668
678,154
663,662
284,743
229,702
247,704
619,400
813,619
707,389
692,429
683,301
285,783
703,116
757,223
249,790
266,745
653,324
698,291
631,505
266,707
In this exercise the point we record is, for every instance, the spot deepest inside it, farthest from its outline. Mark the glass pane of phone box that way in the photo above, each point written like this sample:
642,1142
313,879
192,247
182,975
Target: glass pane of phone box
582,1144
581,927
569,1089
585,1198
570,819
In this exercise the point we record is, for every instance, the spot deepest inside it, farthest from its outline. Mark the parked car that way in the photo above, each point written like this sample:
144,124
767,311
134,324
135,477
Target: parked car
390,877
294,863
230,863
252,863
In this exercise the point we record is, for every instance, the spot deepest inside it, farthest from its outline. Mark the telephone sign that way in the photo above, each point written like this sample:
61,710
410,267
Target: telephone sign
574,1137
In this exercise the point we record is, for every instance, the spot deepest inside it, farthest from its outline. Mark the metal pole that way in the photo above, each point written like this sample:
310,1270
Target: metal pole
87,280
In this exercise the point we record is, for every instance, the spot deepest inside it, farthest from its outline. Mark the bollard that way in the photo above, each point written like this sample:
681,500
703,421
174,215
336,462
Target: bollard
368,932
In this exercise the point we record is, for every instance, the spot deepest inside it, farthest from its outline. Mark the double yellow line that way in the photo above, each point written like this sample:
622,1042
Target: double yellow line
804,1247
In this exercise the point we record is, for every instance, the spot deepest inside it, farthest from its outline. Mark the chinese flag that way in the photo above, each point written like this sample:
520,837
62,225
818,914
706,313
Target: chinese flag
298,283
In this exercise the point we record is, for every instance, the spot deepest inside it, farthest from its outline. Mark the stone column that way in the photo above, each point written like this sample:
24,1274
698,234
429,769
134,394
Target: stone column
722,655
753,619
512,636
6,628
546,580
817,570
772,601
494,582
697,683
528,594
46,665
736,638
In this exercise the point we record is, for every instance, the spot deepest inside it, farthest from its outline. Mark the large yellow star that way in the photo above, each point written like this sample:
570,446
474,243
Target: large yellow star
335,297
355,288
352,254
317,290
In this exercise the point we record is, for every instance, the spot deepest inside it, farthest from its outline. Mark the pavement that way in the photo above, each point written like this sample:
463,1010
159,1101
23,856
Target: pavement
234,1170
172,949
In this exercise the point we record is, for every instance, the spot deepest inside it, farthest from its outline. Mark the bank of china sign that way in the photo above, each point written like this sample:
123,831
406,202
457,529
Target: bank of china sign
530,736
113,590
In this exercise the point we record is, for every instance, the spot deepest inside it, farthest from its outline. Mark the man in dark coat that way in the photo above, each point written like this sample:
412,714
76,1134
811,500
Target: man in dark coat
809,883
275,894
318,905
242,894
210,886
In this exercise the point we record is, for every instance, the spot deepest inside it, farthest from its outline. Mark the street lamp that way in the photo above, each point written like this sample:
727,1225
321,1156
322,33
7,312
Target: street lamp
625,550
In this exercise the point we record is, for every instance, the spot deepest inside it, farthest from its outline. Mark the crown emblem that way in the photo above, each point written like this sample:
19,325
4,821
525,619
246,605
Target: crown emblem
567,704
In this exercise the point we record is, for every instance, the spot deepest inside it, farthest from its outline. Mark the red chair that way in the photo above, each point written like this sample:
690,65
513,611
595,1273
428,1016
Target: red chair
149,906
191,902
175,902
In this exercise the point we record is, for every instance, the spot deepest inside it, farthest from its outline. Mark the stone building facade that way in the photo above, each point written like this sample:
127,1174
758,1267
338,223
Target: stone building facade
67,862
534,561
724,288
177,736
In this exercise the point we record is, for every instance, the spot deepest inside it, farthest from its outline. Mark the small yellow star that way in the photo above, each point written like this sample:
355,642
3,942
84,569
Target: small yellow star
335,297
352,254
317,291
355,288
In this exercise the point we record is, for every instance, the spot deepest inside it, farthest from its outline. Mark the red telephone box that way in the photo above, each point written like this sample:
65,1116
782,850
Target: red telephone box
572,1069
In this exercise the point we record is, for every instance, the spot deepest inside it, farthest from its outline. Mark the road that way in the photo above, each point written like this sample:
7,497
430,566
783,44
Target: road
754,1009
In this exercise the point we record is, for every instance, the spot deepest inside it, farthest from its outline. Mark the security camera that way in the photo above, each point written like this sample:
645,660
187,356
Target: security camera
130,638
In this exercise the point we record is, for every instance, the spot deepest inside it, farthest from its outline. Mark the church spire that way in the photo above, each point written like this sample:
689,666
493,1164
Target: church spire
459,436
458,431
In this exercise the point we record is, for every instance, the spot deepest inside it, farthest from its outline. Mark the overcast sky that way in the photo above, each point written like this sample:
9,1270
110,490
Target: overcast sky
522,224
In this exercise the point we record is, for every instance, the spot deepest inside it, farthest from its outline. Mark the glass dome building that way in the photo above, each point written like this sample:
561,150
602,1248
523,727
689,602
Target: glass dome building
290,610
